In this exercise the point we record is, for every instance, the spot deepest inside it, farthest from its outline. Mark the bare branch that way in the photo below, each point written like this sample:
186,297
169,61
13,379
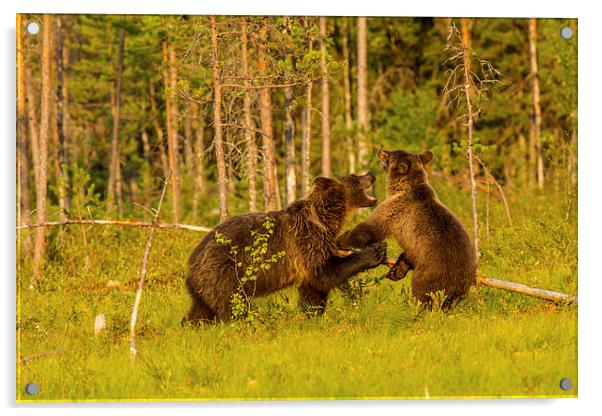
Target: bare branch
499,187
149,243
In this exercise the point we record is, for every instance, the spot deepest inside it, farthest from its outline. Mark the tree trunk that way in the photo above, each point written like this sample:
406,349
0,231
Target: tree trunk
306,136
217,125
572,162
159,132
536,115
523,163
351,151
42,159
466,40
326,159
32,121
188,138
54,147
289,135
470,150
250,143
114,190
267,139
23,203
199,161
63,175
170,77
22,162
147,180
291,163
362,92
66,120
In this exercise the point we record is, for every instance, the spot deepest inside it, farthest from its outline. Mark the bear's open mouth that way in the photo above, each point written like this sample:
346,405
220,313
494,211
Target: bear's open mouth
371,200
369,179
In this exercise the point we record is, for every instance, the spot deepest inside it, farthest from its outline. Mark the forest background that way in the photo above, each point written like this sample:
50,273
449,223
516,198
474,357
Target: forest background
108,105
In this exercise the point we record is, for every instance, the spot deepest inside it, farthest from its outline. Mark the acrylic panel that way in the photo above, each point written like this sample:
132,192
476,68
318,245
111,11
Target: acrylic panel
235,208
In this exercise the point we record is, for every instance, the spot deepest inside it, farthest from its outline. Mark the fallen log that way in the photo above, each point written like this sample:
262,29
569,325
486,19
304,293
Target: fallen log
505,285
527,290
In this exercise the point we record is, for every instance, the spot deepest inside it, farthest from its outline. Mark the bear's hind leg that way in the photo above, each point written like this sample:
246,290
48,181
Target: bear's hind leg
199,312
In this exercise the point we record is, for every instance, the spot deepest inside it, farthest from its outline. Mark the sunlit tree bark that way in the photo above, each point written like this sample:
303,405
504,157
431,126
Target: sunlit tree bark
537,157
42,158
250,143
170,76
23,199
351,150
114,189
218,141
267,139
362,91
326,159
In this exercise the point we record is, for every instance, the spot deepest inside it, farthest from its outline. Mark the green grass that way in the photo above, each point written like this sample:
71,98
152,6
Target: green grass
494,344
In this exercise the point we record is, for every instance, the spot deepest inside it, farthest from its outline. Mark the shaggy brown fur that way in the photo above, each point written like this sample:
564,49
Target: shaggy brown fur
306,231
434,242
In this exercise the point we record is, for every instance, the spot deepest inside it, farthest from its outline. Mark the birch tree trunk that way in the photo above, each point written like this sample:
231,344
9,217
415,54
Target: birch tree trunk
265,114
250,142
306,136
362,92
536,115
170,79
42,159
289,134
217,125
351,151
326,159
114,189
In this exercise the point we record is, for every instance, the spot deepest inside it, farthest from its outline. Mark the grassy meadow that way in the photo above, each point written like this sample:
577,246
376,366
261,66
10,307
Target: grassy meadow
376,345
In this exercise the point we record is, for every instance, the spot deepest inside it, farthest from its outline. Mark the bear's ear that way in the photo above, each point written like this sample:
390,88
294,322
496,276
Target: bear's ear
426,157
321,183
383,157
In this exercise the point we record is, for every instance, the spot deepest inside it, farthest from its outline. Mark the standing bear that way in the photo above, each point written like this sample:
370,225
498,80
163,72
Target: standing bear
434,242
300,248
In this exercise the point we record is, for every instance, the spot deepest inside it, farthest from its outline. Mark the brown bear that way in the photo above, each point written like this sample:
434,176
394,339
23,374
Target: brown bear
434,242
304,234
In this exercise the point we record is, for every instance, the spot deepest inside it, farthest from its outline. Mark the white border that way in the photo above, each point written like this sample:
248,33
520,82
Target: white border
590,209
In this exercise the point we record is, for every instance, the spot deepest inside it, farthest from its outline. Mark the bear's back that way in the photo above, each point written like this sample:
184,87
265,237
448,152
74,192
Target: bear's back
434,238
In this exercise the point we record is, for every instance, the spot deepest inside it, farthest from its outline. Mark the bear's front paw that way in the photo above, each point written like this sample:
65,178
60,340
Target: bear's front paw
397,273
376,253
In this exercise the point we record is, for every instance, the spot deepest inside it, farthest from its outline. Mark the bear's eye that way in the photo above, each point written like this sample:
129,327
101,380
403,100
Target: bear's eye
402,166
